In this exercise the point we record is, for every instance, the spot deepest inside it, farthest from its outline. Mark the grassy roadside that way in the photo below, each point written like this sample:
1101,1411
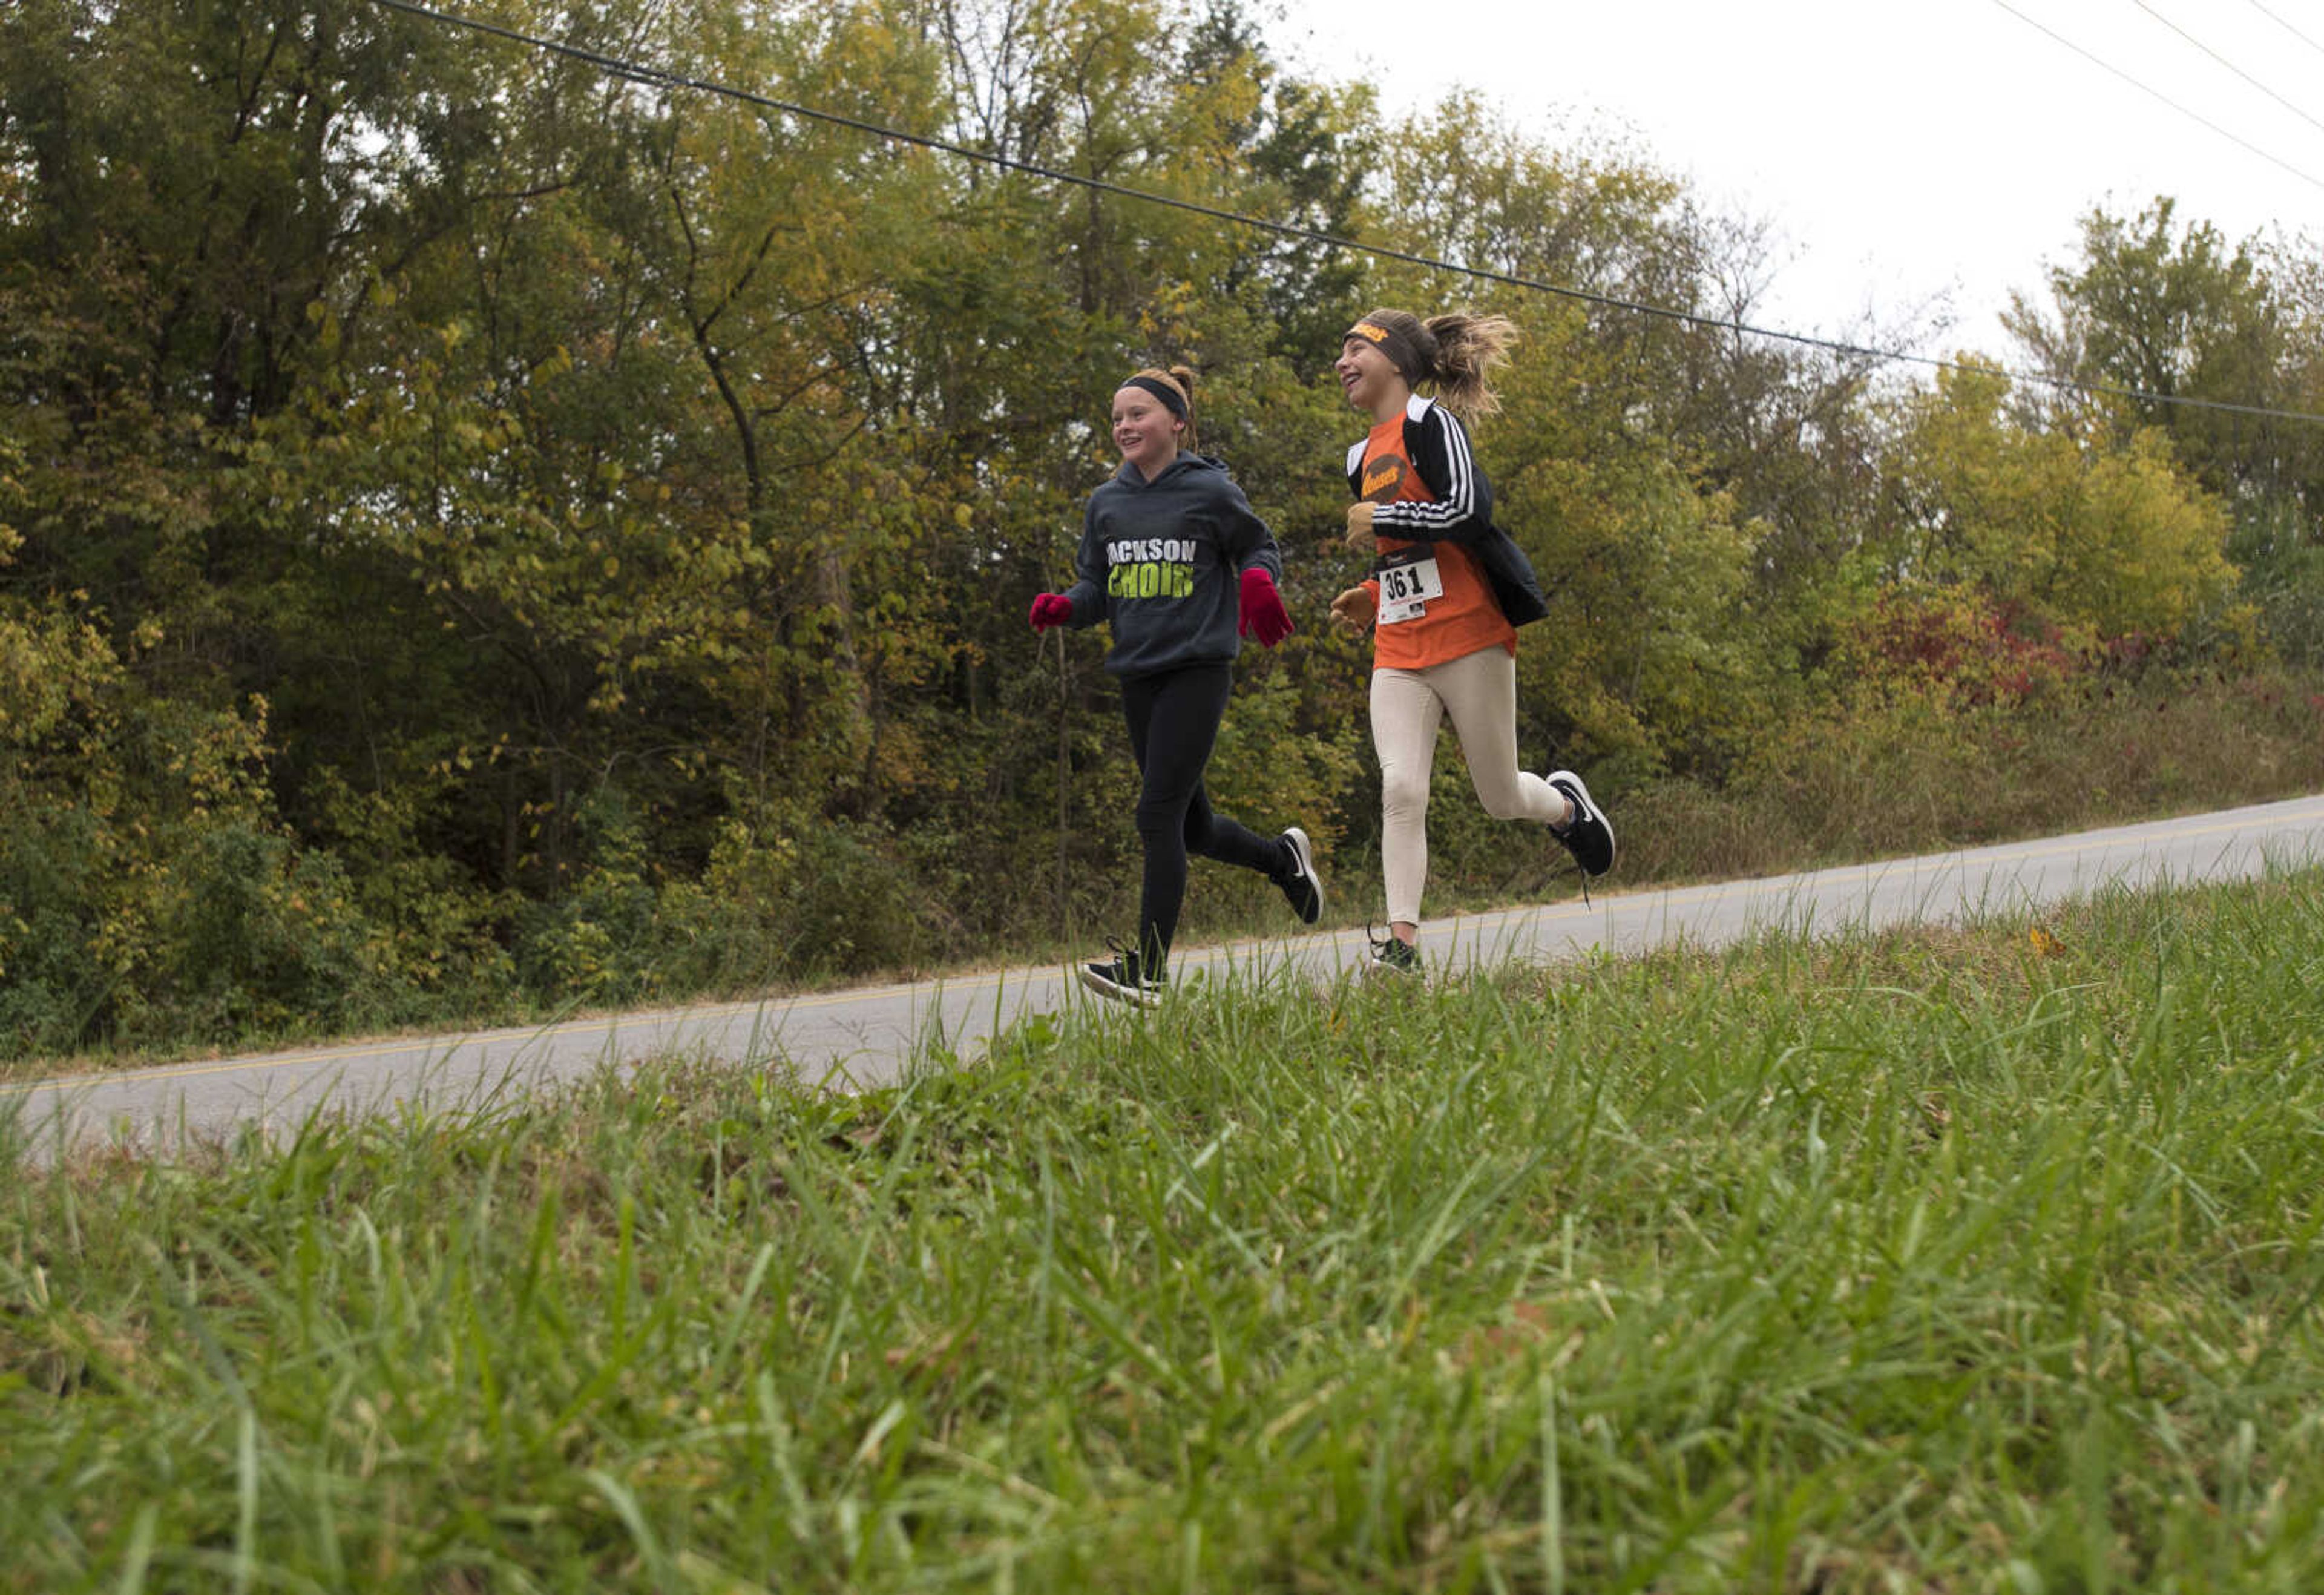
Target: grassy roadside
1978,1260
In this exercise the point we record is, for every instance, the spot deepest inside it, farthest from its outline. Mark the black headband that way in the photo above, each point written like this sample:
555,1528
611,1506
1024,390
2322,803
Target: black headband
1171,400
1394,344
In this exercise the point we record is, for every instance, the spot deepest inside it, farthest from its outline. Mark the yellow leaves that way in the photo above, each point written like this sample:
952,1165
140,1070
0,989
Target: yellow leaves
2079,531
56,669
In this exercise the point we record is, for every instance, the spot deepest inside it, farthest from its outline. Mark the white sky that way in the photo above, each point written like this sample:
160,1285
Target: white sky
1909,156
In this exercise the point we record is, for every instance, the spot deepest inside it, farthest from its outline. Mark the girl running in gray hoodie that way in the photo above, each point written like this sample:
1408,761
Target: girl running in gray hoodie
1174,559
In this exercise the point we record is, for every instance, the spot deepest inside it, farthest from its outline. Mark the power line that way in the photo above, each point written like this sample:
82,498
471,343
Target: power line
2287,27
2230,66
2158,94
656,76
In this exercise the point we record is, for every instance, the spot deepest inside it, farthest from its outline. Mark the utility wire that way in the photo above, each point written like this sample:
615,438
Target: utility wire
2230,66
2148,88
656,76
2287,27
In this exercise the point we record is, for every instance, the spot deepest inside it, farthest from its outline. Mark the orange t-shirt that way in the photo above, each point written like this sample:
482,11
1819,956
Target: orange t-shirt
1465,618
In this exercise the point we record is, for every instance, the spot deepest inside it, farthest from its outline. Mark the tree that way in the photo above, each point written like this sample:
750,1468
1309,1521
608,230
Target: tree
2173,311
1294,153
2102,540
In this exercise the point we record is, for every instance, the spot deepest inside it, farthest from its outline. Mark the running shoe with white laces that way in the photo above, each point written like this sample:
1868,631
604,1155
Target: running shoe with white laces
1586,834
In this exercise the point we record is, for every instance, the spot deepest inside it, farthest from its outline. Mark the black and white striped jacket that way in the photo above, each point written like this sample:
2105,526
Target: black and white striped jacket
1437,445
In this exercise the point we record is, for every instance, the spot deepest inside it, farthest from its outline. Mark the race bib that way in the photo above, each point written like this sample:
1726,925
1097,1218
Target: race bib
1408,578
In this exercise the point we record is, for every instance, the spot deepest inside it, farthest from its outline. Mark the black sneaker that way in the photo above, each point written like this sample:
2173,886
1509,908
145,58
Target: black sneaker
1587,835
1121,978
1394,957
1302,886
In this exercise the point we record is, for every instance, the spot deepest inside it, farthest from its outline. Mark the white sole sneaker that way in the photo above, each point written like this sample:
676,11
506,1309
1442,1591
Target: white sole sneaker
1393,959
1587,835
1302,851
1106,980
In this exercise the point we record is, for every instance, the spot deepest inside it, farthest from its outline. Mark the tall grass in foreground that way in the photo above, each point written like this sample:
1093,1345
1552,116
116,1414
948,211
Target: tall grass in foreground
1968,1260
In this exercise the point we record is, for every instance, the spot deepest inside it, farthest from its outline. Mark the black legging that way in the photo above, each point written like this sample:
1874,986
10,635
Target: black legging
1174,718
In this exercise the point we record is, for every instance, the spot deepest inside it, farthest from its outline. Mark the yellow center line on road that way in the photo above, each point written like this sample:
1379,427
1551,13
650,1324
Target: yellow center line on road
1676,897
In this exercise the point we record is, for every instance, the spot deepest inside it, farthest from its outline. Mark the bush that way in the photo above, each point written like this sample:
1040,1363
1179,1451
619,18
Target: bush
596,942
2289,595
249,937
816,903
51,871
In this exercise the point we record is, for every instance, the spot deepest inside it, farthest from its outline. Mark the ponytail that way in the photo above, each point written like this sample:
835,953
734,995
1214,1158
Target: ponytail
1455,353
1468,347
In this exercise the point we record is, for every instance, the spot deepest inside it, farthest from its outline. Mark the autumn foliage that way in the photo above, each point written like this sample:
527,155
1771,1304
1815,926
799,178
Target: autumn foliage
477,534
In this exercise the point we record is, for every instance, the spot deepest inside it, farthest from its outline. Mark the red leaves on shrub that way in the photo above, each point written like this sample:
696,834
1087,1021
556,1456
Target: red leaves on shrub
1960,639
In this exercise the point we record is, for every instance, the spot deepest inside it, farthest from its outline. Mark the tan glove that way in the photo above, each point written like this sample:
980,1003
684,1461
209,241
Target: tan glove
1355,609
1359,538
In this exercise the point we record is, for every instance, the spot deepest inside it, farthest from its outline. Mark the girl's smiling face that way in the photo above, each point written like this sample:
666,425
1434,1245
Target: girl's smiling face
1145,430
1368,378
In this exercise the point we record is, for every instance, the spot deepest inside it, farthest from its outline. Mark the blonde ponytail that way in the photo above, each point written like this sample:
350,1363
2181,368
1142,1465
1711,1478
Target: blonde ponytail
1468,347
1454,353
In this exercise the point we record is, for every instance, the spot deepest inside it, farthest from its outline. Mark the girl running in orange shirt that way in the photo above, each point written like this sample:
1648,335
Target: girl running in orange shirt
1447,591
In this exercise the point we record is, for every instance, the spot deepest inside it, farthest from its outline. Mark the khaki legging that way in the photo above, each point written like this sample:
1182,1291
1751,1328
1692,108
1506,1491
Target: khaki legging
1480,691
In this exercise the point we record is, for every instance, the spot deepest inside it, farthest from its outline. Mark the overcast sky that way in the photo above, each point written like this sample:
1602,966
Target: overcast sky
1905,153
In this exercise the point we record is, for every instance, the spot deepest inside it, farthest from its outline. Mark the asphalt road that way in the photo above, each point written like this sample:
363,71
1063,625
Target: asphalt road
867,1038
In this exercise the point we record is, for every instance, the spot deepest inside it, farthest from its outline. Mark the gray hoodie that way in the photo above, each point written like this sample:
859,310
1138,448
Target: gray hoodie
1163,561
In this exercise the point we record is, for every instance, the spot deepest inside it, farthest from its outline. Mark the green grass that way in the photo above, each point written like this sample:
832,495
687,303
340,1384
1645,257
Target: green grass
1968,1260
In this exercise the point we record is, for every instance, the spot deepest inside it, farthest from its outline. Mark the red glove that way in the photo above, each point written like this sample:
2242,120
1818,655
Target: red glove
1263,615
1051,609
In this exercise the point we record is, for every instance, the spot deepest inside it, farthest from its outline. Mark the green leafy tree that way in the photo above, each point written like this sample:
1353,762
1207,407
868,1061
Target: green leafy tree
2097,539
2172,309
